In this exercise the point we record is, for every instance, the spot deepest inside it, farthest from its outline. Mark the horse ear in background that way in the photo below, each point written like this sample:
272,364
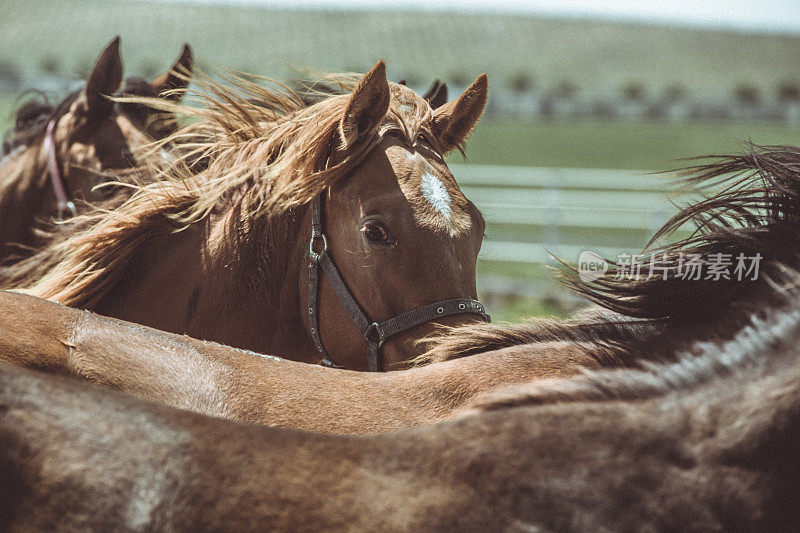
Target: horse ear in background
436,95
176,79
105,80
454,121
368,105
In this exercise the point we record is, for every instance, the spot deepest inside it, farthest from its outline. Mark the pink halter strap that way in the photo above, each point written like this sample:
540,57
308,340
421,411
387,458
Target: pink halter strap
64,203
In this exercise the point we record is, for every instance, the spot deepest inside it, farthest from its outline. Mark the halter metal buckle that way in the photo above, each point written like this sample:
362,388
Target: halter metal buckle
316,255
374,329
68,206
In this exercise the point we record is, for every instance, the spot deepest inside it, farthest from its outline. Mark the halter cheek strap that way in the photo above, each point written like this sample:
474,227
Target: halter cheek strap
374,332
63,202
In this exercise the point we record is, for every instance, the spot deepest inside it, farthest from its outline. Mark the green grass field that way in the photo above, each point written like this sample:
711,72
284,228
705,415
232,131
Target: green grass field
597,144
613,144
8,103
515,307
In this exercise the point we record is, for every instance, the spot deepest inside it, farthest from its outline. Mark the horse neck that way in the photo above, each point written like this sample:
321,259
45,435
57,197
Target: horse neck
289,233
230,279
258,261
24,195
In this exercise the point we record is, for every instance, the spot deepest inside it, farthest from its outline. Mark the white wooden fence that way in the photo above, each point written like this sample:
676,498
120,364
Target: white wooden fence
531,211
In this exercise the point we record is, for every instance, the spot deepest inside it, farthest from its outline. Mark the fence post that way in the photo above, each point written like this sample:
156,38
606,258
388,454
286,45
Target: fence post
552,201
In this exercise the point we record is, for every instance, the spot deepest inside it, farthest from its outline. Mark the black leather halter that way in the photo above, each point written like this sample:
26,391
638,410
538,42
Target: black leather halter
374,332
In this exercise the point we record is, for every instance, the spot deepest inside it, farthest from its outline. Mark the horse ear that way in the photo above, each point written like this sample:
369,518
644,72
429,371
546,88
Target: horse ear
436,95
368,105
104,80
177,77
432,91
440,98
454,121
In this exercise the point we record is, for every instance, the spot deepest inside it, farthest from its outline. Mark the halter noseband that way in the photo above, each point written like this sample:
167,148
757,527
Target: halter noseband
374,332
56,180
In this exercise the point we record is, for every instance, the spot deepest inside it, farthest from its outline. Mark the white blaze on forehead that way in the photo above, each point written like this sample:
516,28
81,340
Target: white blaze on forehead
436,193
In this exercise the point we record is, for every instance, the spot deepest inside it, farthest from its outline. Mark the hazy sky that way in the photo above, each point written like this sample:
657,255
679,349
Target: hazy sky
764,15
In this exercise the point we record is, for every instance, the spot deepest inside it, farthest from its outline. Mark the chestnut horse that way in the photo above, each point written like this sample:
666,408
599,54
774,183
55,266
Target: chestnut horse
708,443
224,254
478,361
55,156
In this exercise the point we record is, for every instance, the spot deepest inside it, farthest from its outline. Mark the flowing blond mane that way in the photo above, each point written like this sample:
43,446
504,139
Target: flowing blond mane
260,147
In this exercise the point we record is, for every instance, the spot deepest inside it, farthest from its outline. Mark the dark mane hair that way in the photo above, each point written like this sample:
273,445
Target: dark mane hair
757,214
614,337
772,335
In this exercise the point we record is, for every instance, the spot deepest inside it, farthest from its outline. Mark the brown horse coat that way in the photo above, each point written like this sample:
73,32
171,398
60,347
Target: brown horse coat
708,444
225,382
222,381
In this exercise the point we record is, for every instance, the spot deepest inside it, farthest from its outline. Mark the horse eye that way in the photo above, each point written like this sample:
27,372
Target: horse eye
423,137
376,233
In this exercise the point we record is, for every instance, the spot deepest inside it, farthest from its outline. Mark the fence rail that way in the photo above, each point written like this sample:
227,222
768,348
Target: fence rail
534,212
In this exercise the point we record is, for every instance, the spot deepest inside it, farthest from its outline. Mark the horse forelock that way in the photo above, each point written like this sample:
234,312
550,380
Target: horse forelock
266,139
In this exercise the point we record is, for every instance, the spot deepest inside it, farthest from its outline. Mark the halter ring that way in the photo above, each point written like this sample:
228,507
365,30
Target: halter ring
374,328
315,255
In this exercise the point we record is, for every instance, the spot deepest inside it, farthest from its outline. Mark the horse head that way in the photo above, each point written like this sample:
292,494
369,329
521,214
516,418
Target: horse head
398,227
93,134
229,249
